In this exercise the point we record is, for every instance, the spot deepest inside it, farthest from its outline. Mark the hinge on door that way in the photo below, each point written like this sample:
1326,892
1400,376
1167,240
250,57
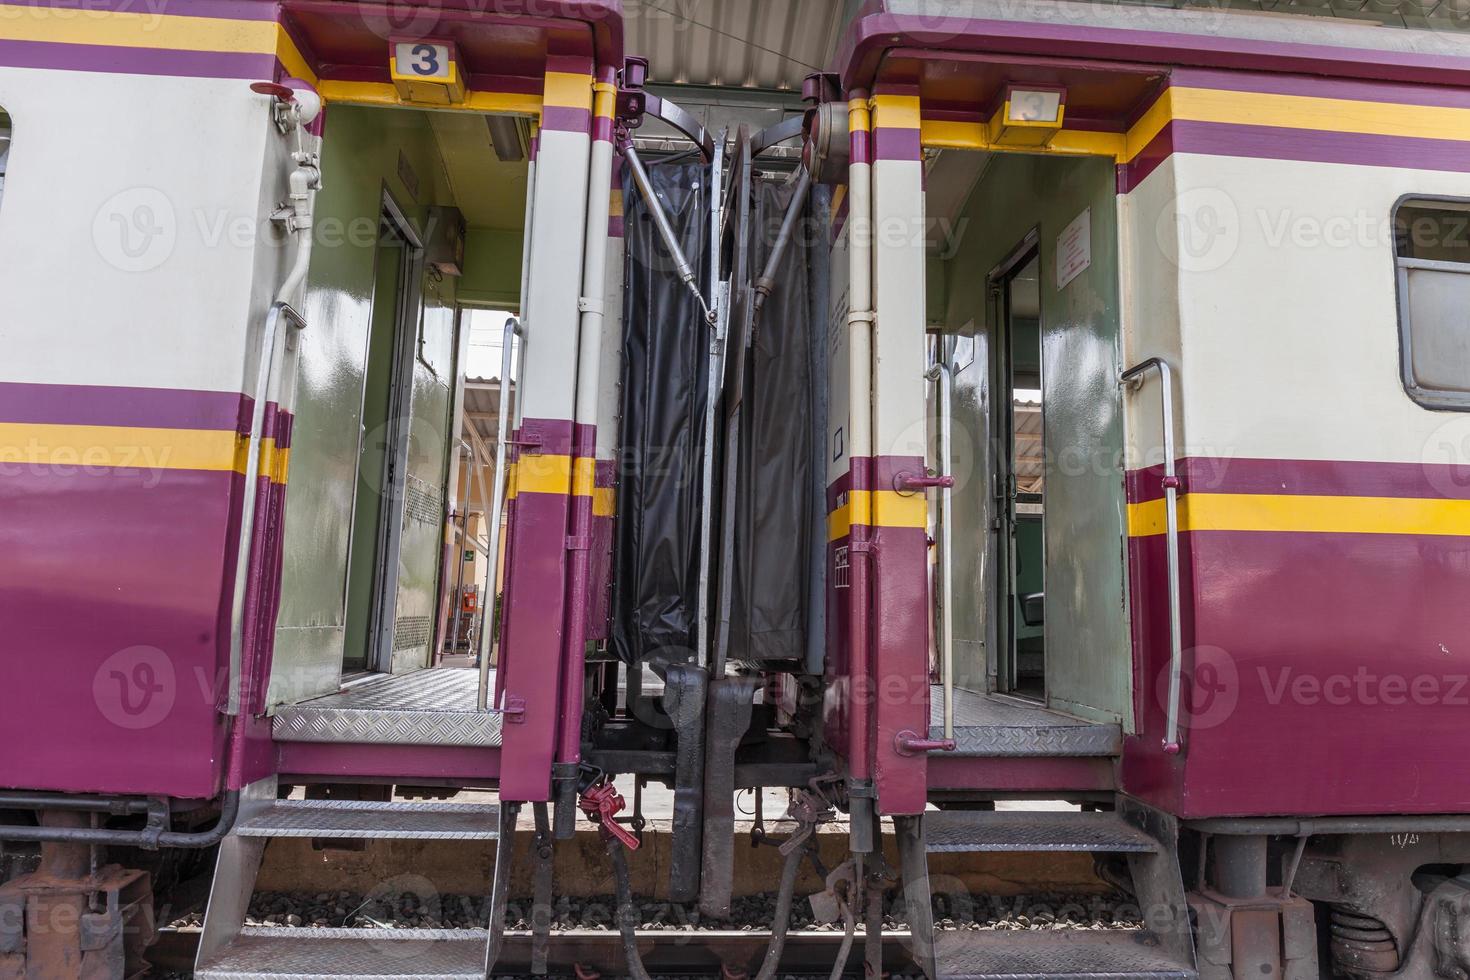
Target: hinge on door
579,542
514,710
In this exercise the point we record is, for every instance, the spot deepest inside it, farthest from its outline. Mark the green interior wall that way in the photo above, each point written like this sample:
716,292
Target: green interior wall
365,151
492,275
1087,644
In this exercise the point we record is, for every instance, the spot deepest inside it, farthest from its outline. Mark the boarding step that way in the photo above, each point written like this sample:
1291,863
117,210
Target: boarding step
364,954
1028,832
360,819
1026,955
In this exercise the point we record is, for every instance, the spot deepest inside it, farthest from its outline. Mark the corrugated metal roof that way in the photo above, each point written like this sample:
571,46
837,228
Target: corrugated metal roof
765,44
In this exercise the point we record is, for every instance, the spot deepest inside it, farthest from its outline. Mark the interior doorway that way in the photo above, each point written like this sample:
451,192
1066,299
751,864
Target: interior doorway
1021,481
378,516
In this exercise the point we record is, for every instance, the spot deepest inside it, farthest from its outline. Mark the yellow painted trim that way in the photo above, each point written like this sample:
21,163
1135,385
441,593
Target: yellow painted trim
878,508
1149,125
568,90
544,474
126,29
1234,108
584,477
615,203
945,134
512,483
120,447
1315,112
896,112
384,94
1293,512
604,100
604,502
291,58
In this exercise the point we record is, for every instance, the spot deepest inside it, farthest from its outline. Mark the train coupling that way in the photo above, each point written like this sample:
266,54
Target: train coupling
602,802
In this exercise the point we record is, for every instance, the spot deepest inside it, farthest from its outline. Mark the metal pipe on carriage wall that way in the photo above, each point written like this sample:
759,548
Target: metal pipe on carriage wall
860,449
497,504
589,371
490,628
304,180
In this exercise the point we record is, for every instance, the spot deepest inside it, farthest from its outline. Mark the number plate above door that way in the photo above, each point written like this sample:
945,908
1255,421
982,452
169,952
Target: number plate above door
426,72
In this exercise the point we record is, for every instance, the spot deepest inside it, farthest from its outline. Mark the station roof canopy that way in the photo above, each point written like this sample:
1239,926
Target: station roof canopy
753,44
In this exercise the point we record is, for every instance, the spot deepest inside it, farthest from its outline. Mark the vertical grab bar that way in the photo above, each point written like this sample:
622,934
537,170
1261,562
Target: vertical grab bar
1133,378
497,506
943,374
265,371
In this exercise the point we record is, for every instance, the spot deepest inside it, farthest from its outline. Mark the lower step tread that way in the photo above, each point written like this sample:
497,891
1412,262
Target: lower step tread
364,954
365,819
1019,831
1085,954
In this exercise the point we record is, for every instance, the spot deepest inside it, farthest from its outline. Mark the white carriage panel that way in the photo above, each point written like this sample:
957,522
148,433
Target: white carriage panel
129,230
899,286
1289,318
1148,223
549,371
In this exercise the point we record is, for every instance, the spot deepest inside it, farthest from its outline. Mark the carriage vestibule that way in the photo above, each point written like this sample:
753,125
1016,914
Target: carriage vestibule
1024,271
420,220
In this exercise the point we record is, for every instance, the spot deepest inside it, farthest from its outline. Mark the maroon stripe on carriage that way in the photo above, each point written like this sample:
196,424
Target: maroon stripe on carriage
136,61
871,36
1300,647
1285,143
115,594
156,408
1313,477
562,119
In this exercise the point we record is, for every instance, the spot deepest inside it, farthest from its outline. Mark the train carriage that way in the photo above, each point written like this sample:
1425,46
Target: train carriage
1062,407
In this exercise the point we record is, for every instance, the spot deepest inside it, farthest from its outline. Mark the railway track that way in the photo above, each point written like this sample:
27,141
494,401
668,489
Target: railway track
665,953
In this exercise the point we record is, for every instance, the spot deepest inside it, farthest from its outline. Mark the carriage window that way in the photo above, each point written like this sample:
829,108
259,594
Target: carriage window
4,150
1432,248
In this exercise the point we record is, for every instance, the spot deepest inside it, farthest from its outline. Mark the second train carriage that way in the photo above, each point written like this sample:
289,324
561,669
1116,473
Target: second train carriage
1071,424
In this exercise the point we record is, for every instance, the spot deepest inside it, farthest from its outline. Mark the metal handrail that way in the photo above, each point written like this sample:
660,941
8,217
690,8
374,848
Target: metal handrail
264,373
1133,378
943,375
497,504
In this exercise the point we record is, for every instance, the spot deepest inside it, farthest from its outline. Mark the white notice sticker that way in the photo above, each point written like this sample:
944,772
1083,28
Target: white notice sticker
1074,249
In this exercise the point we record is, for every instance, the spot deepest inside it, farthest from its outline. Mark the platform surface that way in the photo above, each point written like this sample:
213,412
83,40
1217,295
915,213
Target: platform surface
987,725
435,706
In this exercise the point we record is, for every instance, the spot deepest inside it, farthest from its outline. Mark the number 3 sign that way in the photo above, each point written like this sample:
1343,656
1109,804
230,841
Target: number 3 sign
426,72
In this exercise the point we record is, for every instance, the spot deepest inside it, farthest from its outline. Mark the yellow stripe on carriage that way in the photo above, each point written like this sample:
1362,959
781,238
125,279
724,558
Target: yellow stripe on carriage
568,90
127,29
1302,112
118,447
1302,512
878,508
384,94
559,475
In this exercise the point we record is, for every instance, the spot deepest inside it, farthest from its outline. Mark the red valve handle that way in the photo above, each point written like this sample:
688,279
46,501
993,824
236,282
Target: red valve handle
602,803
910,481
911,743
276,90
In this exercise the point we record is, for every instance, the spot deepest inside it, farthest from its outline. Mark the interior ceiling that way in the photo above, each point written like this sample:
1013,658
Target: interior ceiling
768,44
489,192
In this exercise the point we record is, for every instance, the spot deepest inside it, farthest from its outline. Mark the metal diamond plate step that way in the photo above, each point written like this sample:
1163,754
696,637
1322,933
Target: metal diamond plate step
360,819
989,726
363,954
960,831
435,706
1084,954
